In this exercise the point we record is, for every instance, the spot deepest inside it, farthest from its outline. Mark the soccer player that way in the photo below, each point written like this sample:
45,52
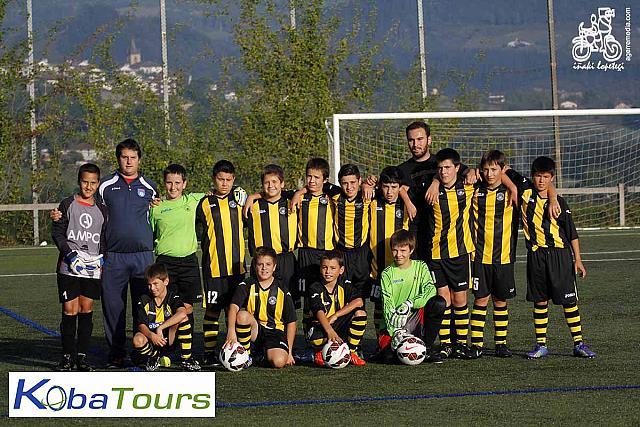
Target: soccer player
222,240
336,309
450,226
496,235
553,256
79,236
175,246
272,223
262,315
411,303
387,214
160,315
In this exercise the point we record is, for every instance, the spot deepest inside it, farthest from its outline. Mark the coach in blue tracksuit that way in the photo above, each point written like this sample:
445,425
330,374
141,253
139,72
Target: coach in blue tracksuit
129,244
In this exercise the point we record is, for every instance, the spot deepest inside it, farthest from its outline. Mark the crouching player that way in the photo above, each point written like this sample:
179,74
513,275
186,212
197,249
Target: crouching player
410,301
337,309
262,313
160,314
79,236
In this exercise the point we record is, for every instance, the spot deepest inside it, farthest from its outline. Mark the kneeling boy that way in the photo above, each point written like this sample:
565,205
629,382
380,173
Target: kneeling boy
262,313
409,298
160,314
337,310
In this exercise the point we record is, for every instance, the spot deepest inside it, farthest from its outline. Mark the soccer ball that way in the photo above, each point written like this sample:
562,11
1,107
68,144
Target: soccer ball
411,351
336,355
234,357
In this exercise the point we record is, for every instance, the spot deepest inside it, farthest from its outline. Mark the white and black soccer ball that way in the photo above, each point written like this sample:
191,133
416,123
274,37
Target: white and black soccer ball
411,351
335,355
234,357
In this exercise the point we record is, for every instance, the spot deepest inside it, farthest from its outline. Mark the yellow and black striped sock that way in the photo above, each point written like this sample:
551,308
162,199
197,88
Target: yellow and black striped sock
478,319
147,350
356,331
461,320
210,328
572,316
445,327
377,316
185,338
540,322
243,332
500,324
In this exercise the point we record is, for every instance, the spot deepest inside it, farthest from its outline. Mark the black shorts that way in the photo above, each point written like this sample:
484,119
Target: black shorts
493,279
308,270
71,287
315,331
551,276
375,289
270,338
452,272
184,277
218,291
286,269
357,263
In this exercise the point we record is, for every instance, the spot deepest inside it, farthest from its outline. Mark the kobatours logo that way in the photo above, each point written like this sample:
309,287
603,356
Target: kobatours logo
596,47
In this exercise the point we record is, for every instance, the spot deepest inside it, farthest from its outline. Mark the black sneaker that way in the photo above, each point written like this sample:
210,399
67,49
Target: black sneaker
82,365
190,365
153,363
446,351
433,357
464,352
66,364
210,359
503,351
115,363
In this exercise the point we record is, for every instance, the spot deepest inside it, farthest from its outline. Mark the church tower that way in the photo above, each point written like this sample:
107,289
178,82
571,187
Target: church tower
134,53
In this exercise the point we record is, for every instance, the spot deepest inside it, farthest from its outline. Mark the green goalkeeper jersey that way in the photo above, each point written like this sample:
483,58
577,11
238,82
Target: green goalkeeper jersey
173,223
401,284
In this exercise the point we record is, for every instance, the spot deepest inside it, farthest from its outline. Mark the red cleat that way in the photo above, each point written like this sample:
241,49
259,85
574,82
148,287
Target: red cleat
356,360
318,360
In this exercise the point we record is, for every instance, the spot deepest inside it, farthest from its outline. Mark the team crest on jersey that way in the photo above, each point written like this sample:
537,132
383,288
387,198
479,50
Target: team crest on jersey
232,204
398,213
141,192
359,205
481,194
323,200
500,197
272,300
460,192
282,210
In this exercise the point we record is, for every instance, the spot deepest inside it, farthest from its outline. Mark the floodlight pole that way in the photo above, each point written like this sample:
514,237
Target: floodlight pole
423,54
292,13
554,91
165,72
31,87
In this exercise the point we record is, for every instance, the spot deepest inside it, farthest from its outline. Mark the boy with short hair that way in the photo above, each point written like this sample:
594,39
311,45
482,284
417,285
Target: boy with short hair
496,235
387,214
176,244
79,236
411,303
336,309
262,313
222,240
553,257
160,314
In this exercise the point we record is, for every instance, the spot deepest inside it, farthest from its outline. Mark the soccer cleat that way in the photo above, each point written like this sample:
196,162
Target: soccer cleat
446,350
464,352
318,360
538,352
66,364
248,363
82,365
355,359
115,363
583,350
210,359
502,351
190,365
433,357
153,363
305,356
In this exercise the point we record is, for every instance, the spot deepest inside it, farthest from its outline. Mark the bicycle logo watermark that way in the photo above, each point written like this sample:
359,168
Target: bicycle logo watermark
599,39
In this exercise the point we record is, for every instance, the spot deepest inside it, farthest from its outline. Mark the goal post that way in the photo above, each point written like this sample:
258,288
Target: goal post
598,149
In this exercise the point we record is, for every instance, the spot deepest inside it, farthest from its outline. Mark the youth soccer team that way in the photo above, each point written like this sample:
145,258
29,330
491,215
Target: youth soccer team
414,240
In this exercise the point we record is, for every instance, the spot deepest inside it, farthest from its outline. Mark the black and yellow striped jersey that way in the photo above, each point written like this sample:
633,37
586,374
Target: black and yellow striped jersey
222,236
451,222
272,307
320,299
315,222
540,229
272,224
351,221
384,220
153,315
495,225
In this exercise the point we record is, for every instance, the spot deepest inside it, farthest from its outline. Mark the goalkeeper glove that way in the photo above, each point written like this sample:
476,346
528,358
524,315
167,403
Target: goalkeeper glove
398,336
240,195
94,263
405,307
78,266
401,315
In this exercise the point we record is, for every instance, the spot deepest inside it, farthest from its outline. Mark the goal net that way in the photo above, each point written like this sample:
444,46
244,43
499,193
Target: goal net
597,151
